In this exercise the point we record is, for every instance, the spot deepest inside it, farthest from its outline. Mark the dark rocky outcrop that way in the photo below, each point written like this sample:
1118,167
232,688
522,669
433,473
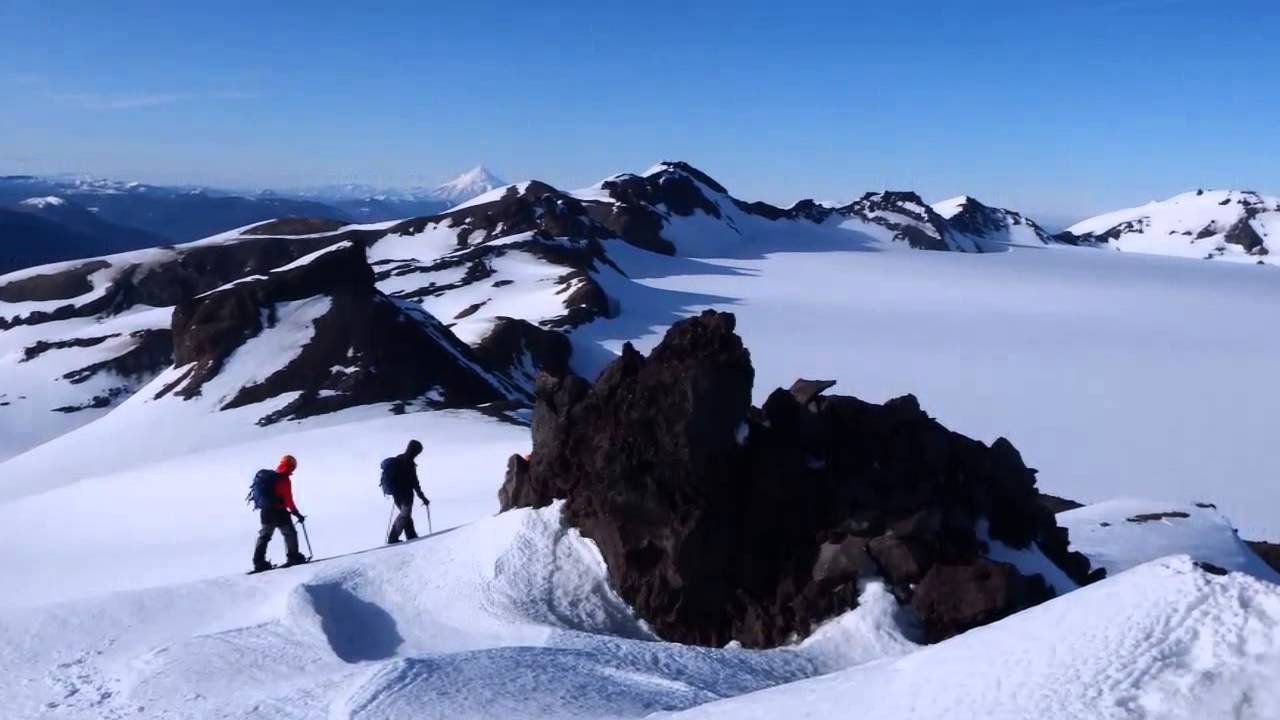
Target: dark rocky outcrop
150,352
158,278
297,226
1243,234
57,285
982,221
720,521
1152,517
365,348
35,350
923,228
1268,551
521,349
1057,504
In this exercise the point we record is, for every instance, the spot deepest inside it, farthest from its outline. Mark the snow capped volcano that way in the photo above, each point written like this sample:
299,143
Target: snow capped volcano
476,181
1240,226
43,202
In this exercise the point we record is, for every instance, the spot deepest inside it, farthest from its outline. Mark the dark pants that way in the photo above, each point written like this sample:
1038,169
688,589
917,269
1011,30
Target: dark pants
273,519
404,520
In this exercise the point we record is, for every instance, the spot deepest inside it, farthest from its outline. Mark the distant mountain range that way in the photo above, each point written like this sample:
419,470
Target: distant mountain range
370,203
48,219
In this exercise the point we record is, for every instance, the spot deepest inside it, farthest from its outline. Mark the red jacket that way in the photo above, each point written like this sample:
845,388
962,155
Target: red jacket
284,488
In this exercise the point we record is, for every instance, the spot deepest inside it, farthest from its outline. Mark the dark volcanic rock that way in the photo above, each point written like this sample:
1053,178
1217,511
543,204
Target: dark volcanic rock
1243,234
31,352
60,285
954,598
1151,517
151,352
1057,504
516,490
1269,552
881,207
162,279
365,348
722,522
296,226
520,349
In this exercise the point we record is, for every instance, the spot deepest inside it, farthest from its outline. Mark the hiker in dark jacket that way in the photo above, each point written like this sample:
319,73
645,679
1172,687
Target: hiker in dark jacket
402,473
276,516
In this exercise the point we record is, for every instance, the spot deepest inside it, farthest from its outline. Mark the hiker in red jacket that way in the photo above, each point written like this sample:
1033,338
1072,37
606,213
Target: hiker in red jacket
276,516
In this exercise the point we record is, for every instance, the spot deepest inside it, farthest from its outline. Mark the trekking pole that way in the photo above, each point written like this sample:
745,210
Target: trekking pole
390,520
308,539
429,530
306,536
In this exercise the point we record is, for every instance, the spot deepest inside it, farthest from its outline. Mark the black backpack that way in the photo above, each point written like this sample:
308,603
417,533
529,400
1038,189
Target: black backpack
262,491
391,475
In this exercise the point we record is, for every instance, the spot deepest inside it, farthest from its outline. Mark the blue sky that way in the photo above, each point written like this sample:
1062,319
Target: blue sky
1055,108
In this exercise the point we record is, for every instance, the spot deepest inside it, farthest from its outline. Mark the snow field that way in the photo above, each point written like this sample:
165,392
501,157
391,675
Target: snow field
1113,374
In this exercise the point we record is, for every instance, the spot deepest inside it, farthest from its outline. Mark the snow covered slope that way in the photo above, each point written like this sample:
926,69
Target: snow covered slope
1124,533
508,616
1226,224
1164,640
78,338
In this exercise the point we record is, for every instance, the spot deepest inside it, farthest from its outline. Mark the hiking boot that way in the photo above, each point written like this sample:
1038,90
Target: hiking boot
295,560
262,566
393,541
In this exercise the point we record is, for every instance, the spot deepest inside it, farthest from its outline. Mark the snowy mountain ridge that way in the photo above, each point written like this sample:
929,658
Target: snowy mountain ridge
512,272
1232,225
970,217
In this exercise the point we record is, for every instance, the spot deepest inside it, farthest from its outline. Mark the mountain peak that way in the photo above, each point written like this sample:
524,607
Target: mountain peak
43,202
476,181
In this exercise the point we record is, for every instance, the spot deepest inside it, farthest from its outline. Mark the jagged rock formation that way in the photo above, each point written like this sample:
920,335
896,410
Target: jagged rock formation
520,350
724,522
912,220
991,227
364,347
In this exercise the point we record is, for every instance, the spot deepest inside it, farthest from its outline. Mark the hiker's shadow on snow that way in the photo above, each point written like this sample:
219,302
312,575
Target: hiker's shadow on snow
357,630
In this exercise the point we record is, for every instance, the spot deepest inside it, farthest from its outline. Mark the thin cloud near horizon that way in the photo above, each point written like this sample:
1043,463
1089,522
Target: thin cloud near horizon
101,101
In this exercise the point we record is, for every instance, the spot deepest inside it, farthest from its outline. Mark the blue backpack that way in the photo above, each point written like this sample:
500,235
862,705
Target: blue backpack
390,475
262,492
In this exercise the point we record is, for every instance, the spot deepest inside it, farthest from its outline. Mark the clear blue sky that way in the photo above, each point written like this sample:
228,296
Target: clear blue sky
1051,107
